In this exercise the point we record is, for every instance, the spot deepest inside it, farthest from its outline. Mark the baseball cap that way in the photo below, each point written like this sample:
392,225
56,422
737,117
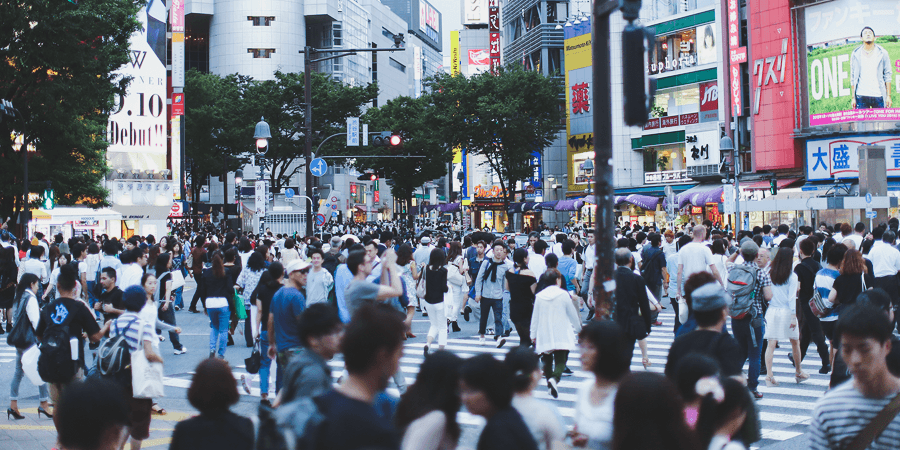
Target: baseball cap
709,297
425,240
295,265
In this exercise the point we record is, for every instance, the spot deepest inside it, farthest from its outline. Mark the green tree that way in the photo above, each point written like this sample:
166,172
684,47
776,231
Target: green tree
412,118
217,130
58,64
503,117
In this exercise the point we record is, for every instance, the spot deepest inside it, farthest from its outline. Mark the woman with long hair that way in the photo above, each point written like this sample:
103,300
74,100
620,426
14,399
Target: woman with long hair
152,256
426,414
724,411
246,283
521,284
165,297
409,273
660,427
175,249
854,278
25,297
269,283
9,271
435,288
542,417
781,316
603,354
554,323
219,287
456,279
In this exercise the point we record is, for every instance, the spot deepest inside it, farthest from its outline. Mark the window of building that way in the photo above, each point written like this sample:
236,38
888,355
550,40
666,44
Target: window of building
557,12
337,34
514,29
261,21
683,49
532,17
671,7
396,64
676,101
196,42
261,52
533,61
554,61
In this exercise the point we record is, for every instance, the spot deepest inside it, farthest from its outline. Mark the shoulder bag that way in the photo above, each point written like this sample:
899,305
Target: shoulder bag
877,426
22,334
253,363
146,376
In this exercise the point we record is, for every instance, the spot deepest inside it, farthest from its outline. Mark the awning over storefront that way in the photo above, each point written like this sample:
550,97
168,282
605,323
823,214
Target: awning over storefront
700,195
522,207
569,205
362,208
547,206
143,212
644,201
653,190
782,183
449,207
78,214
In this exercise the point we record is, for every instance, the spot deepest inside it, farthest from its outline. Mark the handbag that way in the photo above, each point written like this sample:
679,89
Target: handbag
818,305
877,426
177,280
30,365
420,285
253,363
22,334
683,313
239,308
146,377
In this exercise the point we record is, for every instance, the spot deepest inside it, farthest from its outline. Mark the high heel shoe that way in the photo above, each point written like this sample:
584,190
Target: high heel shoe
801,377
772,382
13,413
44,412
646,362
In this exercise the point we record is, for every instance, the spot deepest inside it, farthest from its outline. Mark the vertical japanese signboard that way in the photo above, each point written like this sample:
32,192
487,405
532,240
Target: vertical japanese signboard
734,43
494,32
454,52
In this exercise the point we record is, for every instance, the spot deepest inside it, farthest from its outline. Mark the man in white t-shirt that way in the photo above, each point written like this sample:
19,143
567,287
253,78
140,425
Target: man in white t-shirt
696,257
859,233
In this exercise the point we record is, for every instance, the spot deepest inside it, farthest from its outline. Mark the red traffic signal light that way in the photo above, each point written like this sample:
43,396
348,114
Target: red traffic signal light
395,140
367,177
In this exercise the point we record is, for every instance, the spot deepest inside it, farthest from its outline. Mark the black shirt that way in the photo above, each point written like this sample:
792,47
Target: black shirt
506,430
264,295
112,298
652,264
352,424
72,313
806,273
719,346
521,298
848,287
435,285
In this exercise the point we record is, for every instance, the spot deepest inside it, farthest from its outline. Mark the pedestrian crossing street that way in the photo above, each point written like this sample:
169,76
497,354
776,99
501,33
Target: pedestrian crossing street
784,411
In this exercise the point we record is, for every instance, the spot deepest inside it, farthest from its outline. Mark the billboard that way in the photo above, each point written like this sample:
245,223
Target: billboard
853,59
479,61
136,130
475,12
579,104
428,19
709,102
838,158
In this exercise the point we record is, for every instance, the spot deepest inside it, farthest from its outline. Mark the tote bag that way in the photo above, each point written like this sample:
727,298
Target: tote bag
146,377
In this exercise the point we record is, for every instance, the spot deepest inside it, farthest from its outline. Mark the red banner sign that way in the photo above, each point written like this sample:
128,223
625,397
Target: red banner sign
734,24
671,121
376,197
178,104
651,124
494,32
689,119
736,106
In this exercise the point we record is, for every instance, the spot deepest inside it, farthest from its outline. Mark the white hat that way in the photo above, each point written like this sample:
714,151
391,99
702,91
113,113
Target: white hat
295,265
326,248
425,240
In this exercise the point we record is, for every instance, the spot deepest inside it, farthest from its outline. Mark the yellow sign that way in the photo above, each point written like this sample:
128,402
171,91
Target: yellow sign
579,102
454,54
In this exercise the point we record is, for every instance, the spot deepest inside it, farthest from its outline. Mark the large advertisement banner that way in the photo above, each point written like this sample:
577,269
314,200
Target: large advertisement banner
830,159
137,125
579,101
853,61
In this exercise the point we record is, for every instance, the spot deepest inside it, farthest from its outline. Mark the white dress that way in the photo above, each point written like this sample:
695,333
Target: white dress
782,309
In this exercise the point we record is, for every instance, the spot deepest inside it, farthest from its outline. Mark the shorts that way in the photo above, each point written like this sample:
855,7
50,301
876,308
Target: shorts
140,417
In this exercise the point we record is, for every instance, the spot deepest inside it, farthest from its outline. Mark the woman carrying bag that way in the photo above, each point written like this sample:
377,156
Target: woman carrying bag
27,314
435,288
456,281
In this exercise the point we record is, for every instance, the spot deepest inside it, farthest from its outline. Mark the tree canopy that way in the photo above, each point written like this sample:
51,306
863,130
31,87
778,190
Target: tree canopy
58,71
503,117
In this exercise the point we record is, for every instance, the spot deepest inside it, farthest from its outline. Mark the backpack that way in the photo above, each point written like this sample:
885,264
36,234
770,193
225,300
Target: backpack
742,280
115,354
55,363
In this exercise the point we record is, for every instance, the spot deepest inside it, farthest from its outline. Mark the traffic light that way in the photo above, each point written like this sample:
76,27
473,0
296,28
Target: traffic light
49,201
367,177
387,139
773,186
637,89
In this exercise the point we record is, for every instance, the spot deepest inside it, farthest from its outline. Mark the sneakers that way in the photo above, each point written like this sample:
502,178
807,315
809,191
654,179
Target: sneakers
756,394
567,372
455,326
245,383
466,312
481,340
426,350
182,351
177,308
825,369
551,386
500,341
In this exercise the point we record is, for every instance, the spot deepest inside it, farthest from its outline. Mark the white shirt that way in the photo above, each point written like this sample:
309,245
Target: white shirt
36,267
595,421
885,259
131,276
590,256
318,286
857,240
537,264
777,241
694,258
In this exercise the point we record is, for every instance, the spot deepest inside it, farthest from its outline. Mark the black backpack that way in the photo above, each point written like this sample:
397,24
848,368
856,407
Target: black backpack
115,355
55,364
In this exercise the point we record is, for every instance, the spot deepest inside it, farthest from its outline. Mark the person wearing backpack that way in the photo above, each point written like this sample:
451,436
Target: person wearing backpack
62,324
749,286
138,333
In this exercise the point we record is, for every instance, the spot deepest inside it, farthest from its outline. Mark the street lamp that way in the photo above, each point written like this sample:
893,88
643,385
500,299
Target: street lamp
262,135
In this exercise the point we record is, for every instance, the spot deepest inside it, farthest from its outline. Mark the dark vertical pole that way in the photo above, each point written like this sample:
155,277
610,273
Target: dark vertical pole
307,151
225,200
604,229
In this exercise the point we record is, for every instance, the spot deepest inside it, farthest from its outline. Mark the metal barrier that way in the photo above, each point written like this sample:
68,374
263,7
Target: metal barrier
285,222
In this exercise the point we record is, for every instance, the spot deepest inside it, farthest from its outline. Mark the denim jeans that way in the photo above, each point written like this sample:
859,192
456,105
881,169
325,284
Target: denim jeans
864,102
741,329
218,333
179,299
507,325
284,357
265,367
43,390
487,305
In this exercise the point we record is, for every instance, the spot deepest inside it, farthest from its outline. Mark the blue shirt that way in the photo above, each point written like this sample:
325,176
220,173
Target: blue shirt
567,267
342,277
287,304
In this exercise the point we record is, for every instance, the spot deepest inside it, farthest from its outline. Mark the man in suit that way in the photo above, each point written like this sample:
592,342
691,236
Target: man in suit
631,297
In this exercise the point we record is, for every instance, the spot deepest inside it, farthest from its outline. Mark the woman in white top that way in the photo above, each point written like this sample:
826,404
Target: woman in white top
456,280
289,253
554,323
781,317
426,414
26,298
150,314
50,292
542,417
718,248
604,353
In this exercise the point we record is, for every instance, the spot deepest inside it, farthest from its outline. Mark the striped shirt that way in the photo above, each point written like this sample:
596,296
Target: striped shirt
843,413
140,330
824,281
